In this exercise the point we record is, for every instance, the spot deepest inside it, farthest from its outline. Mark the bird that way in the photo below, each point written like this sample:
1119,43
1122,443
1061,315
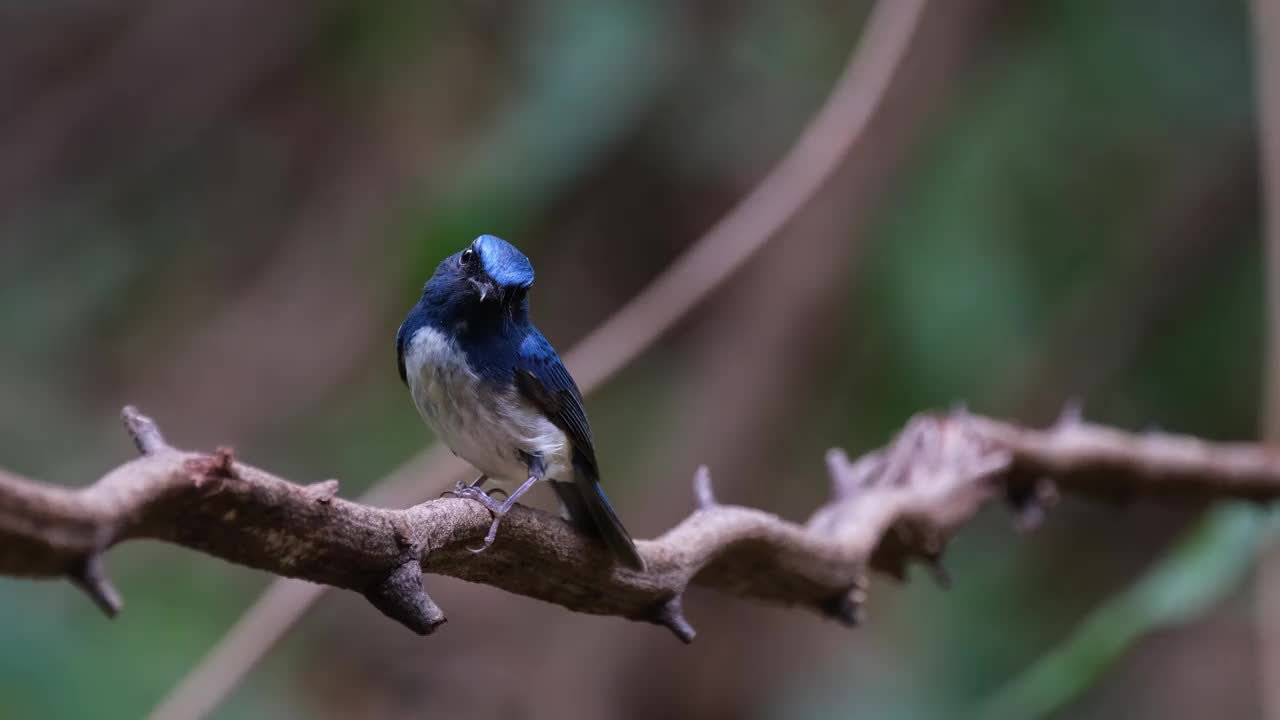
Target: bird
493,388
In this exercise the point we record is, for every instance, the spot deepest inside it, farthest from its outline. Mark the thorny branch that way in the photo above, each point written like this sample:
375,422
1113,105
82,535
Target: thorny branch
890,507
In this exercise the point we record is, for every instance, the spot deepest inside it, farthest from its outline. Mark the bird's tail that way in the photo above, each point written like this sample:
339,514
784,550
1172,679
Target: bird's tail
587,508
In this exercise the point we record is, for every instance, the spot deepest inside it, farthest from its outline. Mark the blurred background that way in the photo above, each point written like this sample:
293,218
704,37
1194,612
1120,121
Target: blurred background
220,212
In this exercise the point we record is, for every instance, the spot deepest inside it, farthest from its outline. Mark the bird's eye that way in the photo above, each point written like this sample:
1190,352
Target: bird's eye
467,256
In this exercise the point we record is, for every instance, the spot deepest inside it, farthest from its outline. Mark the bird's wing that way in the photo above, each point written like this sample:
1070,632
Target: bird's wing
404,336
400,340
543,379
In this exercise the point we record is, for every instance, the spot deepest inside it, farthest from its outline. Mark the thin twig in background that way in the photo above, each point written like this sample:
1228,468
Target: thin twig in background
712,259
1266,18
781,347
1266,34
814,262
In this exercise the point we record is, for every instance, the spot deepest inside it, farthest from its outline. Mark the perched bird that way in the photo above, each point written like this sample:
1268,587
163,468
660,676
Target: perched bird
495,391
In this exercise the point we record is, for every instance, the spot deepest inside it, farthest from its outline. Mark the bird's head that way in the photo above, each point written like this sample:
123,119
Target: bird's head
490,274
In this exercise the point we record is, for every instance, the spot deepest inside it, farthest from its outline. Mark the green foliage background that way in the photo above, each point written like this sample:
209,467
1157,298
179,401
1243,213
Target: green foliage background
1031,223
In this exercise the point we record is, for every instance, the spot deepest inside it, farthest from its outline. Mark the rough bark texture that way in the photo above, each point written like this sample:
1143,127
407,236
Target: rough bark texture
890,507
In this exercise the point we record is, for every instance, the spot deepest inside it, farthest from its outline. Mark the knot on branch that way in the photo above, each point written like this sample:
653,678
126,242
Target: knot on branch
401,597
933,476
1030,501
849,607
323,492
213,469
670,614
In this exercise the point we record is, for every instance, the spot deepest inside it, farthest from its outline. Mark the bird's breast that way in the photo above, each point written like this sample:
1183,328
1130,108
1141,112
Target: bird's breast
484,423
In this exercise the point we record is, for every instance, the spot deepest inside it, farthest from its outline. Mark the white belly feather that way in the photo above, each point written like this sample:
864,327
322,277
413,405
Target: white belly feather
487,429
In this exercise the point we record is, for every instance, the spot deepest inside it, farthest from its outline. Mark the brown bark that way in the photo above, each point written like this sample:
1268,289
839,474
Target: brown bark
889,507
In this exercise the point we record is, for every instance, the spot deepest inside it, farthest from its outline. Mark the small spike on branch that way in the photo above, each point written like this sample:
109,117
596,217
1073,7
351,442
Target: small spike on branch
702,491
1072,415
400,596
144,431
890,508
323,492
848,607
670,615
90,576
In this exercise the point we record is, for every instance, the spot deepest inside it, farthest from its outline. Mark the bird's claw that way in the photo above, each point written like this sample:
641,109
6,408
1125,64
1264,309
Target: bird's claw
499,510
474,493
462,485
488,539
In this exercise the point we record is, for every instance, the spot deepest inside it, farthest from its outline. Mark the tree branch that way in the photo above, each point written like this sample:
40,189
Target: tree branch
890,507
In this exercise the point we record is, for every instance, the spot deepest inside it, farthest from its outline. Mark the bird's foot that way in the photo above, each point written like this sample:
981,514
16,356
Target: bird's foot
470,492
498,509
476,484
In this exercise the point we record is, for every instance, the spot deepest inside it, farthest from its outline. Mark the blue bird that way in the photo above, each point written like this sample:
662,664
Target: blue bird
495,391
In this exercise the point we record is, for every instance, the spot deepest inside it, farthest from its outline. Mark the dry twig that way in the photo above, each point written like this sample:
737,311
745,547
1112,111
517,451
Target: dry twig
890,507
1266,32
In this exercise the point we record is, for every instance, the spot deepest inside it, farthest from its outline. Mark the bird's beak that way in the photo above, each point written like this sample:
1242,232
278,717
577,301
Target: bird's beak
485,287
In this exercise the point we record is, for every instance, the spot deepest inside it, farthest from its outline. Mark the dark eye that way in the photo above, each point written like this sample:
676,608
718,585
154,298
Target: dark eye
467,256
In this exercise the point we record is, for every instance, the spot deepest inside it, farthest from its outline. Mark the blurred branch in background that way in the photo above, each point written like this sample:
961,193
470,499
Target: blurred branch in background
1069,199
783,345
710,261
755,355
224,157
1266,38
72,120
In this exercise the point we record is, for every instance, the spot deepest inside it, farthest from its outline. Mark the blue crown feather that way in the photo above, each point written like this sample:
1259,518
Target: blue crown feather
503,263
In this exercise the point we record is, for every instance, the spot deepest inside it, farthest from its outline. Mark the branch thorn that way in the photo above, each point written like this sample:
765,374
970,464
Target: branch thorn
90,575
939,572
702,491
838,469
144,431
1071,416
849,607
213,468
670,615
1029,505
401,597
323,492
